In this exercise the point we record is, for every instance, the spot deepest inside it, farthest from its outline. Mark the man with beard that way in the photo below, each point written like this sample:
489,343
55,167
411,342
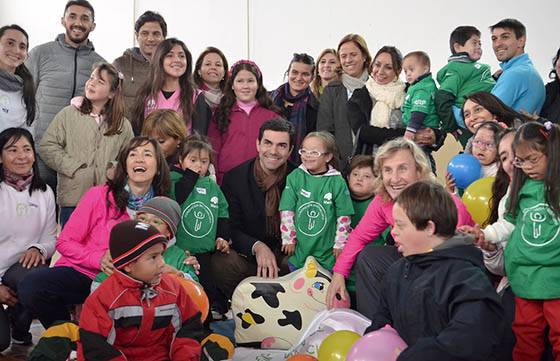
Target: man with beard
519,86
253,191
60,69
150,29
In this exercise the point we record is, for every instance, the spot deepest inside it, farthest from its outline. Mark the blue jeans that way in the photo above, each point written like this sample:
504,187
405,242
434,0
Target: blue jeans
48,292
64,216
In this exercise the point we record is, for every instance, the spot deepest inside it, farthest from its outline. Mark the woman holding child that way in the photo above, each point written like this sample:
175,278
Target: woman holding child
141,174
399,163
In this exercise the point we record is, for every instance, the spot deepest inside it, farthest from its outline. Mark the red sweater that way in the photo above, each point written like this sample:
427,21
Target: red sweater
122,320
238,143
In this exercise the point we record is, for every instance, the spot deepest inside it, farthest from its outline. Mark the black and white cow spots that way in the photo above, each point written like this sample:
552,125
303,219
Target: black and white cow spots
274,313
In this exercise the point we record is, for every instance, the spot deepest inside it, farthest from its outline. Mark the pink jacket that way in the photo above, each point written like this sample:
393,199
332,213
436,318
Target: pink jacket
238,144
85,237
379,216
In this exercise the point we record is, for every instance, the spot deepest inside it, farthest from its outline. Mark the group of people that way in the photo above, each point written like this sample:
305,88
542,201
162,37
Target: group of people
164,167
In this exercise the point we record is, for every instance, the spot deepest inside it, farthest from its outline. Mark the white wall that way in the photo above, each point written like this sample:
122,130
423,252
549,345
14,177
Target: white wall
270,31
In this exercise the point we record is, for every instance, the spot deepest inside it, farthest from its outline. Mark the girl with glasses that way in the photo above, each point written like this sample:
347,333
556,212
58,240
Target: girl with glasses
315,207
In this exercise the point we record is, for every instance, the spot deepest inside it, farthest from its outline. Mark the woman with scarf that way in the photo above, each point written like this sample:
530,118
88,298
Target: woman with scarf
210,76
141,174
28,225
17,89
296,101
333,114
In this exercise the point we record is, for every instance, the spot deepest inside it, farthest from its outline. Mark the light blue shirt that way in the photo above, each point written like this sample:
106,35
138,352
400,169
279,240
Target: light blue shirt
520,86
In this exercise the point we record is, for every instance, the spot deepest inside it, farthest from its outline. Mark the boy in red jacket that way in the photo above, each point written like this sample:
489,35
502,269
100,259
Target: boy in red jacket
139,312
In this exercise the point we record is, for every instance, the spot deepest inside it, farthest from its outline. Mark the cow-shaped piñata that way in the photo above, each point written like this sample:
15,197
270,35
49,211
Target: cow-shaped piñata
273,313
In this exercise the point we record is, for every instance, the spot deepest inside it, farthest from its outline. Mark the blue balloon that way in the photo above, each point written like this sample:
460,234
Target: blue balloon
465,169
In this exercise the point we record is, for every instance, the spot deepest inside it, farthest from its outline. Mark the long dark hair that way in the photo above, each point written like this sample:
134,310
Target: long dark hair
161,182
9,137
210,50
23,72
501,182
496,107
156,80
229,98
114,108
547,141
553,74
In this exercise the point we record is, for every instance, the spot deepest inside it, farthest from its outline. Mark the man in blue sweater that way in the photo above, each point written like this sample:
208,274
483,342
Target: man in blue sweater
520,86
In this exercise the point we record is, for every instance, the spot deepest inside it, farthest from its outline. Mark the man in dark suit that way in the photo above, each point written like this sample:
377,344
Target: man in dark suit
253,191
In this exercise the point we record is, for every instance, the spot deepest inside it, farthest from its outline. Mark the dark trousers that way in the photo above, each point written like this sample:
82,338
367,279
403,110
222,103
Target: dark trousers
230,269
216,298
371,265
64,216
14,321
49,292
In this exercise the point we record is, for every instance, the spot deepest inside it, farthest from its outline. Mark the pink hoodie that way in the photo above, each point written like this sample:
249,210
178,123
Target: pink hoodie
379,216
85,237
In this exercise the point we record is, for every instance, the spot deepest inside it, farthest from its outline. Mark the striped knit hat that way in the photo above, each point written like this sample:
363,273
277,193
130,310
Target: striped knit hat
129,239
164,208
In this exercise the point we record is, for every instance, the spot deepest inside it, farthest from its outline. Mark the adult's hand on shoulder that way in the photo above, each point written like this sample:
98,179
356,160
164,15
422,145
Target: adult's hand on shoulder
337,286
7,296
32,258
107,264
266,261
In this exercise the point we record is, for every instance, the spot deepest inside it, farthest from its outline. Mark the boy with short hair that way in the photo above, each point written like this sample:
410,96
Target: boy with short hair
418,108
139,312
463,75
437,297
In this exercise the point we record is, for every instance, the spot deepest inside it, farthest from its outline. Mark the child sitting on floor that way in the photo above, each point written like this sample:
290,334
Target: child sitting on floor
140,312
437,297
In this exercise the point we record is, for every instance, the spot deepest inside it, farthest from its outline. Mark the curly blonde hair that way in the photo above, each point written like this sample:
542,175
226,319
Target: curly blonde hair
387,150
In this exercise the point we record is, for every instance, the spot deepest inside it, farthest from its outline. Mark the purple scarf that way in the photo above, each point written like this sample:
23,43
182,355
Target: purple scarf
16,181
294,108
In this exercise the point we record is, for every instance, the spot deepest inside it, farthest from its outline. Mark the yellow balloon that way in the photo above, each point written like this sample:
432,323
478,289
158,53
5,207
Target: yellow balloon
477,198
336,345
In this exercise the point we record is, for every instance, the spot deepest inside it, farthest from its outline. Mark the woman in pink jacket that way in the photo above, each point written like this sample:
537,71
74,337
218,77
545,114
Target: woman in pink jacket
399,163
244,107
141,174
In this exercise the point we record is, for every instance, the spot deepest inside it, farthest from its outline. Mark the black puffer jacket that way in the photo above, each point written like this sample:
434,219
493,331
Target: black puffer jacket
442,304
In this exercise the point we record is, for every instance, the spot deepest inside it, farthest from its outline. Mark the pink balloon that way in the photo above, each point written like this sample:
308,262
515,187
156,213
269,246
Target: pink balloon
384,344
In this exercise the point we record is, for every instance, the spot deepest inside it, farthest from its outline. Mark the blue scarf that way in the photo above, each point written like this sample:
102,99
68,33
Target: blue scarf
294,108
134,201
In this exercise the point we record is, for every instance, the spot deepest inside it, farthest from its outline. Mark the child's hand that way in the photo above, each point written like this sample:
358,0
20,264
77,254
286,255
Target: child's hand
337,252
222,245
111,169
288,249
409,135
450,183
192,261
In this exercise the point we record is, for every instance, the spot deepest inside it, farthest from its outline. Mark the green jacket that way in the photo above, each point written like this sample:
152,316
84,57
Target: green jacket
420,98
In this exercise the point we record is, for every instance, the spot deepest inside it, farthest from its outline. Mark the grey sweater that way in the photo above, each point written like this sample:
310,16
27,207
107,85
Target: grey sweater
60,73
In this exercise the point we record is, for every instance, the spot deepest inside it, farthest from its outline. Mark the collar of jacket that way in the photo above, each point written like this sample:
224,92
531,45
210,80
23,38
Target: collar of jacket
518,60
460,57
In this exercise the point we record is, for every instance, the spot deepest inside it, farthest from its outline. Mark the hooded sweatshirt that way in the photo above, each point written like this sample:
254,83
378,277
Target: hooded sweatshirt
442,304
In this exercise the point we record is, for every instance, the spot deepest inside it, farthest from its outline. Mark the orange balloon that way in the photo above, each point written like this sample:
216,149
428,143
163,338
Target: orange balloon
197,295
302,357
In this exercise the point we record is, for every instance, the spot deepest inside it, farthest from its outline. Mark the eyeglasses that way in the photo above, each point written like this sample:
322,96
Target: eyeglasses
529,162
482,144
311,153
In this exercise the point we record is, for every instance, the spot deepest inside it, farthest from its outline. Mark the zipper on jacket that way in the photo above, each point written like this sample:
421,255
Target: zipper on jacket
75,72
406,269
